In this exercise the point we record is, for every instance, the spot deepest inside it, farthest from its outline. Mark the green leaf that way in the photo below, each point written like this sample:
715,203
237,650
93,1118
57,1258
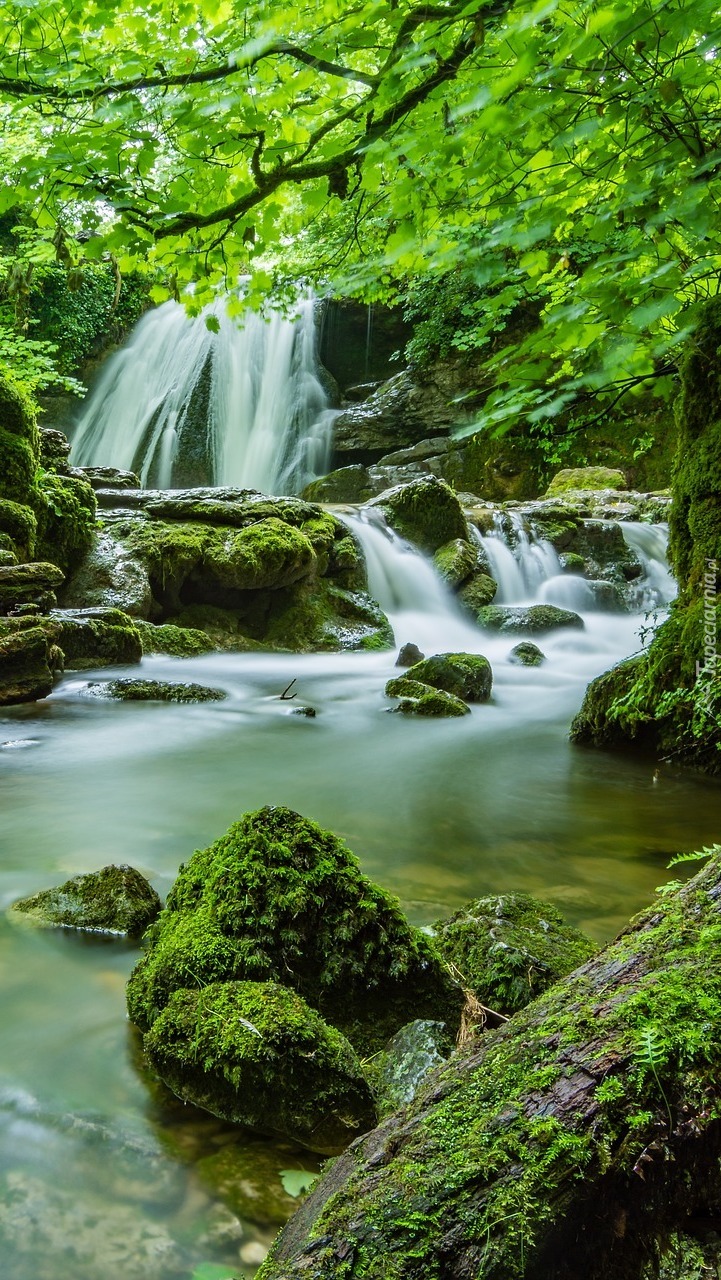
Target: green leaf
297,1181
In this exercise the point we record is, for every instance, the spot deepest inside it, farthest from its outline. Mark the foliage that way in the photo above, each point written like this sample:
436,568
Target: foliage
562,159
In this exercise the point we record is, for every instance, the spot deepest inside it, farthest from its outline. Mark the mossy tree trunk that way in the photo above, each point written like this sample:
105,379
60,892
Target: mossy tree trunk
571,1143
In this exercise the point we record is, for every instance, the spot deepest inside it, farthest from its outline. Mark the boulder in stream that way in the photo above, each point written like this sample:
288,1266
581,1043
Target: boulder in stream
256,1054
116,899
418,699
86,637
526,654
154,691
25,665
508,948
456,561
533,620
426,512
408,655
581,478
279,899
464,675
33,583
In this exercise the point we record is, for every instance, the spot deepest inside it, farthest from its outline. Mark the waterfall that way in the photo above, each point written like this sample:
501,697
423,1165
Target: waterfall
224,403
519,563
657,587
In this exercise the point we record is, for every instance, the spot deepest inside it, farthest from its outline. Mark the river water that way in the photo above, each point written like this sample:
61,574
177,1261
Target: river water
98,1174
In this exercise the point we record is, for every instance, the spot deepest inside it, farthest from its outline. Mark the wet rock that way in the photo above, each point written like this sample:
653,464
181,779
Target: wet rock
256,1054
25,670
408,1058
456,561
116,899
54,450
408,655
527,654
465,675
269,554
535,619
87,637
571,562
245,1176
426,512
479,591
580,478
347,484
33,583
154,691
509,948
107,477
176,642
279,899
399,413
309,712
595,724
419,699
112,577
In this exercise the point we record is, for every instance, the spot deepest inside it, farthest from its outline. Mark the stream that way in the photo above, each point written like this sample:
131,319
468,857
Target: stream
101,1175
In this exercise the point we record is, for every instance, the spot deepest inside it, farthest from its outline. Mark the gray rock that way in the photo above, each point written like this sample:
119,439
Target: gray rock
408,1059
408,655
106,477
527,654
535,619
400,412
110,576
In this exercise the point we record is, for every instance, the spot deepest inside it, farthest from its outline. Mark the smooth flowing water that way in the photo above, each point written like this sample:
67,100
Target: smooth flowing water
100,1175
212,400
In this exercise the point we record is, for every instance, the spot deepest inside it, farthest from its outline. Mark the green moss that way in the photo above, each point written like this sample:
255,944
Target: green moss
87,637
510,948
17,411
579,478
346,484
418,699
475,1169
66,519
177,642
116,899
19,523
426,512
28,583
266,555
155,691
532,620
527,654
466,675
25,673
321,617
277,898
455,561
478,592
18,464
256,1054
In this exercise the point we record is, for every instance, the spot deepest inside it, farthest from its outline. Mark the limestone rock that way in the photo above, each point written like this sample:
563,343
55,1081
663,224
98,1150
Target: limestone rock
573,478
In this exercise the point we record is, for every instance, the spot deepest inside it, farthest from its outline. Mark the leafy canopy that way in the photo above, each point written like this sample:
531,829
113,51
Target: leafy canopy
565,156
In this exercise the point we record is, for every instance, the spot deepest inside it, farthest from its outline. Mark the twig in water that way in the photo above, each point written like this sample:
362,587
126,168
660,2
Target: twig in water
285,695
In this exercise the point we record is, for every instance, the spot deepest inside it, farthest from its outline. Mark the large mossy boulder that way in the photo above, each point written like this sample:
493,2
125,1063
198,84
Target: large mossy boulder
582,478
87,637
65,512
532,620
154,691
256,1054
19,441
26,666
116,899
465,675
29,583
477,592
509,948
279,899
426,512
456,561
419,699
268,554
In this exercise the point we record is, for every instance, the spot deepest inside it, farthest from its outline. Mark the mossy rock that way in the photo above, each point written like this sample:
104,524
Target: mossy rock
533,620
87,637
116,899
346,484
256,1054
267,555
246,1176
407,1060
17,411
154,691
584,478
29,582
19,441
509,948
572,562
66,520
322,617
418,699
595,724
465,675
25,670
176,642
527,654
479,591
426,512
456,561
408,655
277,898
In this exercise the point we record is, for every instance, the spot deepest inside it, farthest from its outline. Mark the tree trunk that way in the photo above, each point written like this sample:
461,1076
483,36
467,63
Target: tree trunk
567,1145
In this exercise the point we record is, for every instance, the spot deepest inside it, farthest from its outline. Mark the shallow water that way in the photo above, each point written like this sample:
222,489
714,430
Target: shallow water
97,1173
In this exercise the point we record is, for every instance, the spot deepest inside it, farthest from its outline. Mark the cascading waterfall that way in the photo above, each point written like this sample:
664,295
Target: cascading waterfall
658,586
209,400
518,563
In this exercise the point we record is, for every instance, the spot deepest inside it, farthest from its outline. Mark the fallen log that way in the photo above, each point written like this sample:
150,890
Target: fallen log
567,1145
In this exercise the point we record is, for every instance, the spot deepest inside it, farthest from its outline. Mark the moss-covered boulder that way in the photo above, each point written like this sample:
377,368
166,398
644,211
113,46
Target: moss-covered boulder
29,583
18,523
456,561
581,478
477,592
419,699
465,675
346,484
526,654
19,441
426,512
269,554
176,642
87,637
65,510
256,1054
279,899
509,948
154,691
25,666
532,620
116,899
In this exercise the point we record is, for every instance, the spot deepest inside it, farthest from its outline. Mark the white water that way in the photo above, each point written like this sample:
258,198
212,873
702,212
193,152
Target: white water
244,404
518,562
657,587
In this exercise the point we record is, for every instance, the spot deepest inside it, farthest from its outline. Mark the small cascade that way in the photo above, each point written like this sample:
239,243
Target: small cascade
518,562
416,601
657,587
208,400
